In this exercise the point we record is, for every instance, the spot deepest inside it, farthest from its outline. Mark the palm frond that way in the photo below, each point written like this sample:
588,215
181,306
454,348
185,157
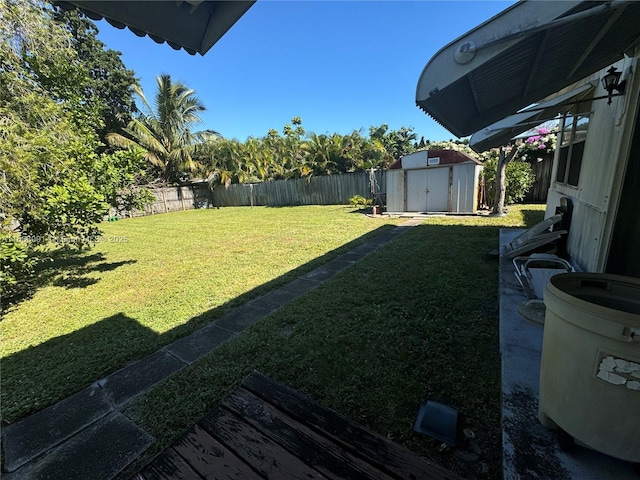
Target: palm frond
146,136
120,141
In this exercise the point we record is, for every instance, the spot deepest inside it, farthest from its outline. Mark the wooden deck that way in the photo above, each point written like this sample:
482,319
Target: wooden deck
266,430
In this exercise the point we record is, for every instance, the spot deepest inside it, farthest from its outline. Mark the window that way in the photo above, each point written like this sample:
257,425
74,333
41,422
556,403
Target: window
433,161
572,139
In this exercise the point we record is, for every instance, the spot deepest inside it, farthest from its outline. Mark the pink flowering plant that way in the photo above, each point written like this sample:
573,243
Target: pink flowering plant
541,144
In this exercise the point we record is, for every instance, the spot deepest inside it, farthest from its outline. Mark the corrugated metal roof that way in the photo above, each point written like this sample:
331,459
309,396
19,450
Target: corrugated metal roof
193,25
499,133
516,65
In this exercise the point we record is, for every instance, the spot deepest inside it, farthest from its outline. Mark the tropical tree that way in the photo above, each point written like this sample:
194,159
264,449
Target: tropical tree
396,142
222,161
259,164
320,154
368,152
295,158
508,174
56,181
164,130
295,153
517,179
109,84
327,153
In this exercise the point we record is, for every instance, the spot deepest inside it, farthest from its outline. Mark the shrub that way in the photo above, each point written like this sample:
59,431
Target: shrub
519,179
542,143
18,262
359,201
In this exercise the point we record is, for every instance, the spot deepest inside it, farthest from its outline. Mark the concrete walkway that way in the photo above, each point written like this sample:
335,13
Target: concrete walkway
530,450
86,436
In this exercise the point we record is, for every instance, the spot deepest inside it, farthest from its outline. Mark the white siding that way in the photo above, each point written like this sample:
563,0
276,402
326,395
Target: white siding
605,156
444,188
464,188
438,189
416,188
415,160
395,190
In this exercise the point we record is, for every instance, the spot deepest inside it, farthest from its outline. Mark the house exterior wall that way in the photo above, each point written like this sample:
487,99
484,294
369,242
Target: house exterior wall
606,150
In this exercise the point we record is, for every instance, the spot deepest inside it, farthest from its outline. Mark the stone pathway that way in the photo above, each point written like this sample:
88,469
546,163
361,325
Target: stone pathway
86,435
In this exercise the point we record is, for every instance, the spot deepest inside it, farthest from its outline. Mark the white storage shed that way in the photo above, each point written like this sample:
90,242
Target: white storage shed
434,181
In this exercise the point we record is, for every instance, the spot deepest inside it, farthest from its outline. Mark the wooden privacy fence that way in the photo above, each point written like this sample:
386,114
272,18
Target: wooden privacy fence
542,170
325,190
174,199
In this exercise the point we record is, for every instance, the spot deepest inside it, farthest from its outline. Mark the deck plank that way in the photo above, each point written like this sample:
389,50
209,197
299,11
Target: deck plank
210,458
266,430
314,449
168,466
379,451
256,449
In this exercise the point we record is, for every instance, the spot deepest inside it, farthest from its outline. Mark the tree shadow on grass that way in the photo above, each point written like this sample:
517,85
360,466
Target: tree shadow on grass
436,303
80,357
76,277
532,217
63,365
362,210
63,267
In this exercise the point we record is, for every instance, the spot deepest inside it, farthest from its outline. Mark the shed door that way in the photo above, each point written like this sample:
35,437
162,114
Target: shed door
416,190
438,190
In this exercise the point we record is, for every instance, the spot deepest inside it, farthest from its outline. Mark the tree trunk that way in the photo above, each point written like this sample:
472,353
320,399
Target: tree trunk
501,175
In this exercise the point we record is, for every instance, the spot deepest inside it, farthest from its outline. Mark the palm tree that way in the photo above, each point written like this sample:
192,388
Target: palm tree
257,159
164,132
222,161
320,153
367,153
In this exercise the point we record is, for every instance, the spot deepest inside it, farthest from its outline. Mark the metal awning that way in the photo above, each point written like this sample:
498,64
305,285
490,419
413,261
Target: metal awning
195,25
499,133
522,55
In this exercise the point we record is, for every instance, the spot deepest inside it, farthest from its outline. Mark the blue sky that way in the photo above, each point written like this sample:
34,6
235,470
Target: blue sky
339,65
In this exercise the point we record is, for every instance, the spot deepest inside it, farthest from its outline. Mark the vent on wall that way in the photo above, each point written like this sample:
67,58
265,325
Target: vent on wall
433,161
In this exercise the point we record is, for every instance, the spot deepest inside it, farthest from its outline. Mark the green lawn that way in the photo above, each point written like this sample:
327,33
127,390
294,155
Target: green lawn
416,320
153,280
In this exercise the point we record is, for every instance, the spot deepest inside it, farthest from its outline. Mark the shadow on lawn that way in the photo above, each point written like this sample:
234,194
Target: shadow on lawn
75,360
532,217
76,278
84,355
436,305
362,210
66,268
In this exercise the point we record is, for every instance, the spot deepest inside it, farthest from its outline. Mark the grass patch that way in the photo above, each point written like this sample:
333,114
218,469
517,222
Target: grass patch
416,320
151,281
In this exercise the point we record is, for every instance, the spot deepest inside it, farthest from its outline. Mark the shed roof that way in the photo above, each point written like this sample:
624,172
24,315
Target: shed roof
195,25
447,157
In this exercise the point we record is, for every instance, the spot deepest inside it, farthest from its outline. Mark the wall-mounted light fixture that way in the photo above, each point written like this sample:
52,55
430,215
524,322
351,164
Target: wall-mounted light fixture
611,81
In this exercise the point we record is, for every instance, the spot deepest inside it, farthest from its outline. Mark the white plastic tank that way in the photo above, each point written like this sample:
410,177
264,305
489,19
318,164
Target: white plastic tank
590,371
